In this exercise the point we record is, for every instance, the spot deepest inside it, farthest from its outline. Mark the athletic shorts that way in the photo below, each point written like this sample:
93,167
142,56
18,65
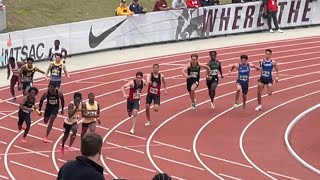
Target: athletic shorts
265,81
26,85
51,111
190,82
87,124
211,81
133,104
244,87
57,83
68,127
23,117
154,98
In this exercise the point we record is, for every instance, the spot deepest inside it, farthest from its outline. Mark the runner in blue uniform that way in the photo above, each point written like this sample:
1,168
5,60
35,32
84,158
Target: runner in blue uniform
55,68
192,72
243,79
267,65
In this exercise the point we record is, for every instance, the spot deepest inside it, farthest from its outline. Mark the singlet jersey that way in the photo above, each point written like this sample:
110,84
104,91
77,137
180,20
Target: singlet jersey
155,85
54,51
91,110
53,99
266,69
214,67
76,117
243,73
135,91
194,72
27,74
29,104
56,70
15,70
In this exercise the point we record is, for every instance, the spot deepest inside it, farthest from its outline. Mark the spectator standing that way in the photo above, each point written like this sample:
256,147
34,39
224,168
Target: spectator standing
161,5
209,2
193,3
137,8
179,4
57,49
123,9
85,167
271,10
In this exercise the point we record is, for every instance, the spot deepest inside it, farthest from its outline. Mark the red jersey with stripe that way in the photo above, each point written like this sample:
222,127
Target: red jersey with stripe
155,85
135,91
272,5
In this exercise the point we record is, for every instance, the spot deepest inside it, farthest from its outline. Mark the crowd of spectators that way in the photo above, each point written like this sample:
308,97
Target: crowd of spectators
162,5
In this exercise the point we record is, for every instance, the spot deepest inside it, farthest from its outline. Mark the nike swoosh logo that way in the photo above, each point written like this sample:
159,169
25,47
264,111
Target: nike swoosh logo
94,41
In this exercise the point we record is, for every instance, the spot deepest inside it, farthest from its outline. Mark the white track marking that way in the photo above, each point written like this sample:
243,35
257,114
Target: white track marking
123,147
32,168
172,146
178,162
132,165
288,145
225,160
281,175
28,150
266,112
228,176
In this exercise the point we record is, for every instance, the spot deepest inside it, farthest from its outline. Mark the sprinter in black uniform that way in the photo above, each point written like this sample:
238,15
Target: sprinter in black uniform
26,107
53,95
192,72
26,74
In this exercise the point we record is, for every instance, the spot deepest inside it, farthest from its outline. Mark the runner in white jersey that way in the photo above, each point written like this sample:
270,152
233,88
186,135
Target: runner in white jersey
13,67
57,49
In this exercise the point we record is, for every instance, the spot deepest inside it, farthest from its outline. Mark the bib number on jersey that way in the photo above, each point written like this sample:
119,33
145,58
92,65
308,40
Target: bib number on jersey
136,95
55,72
194,74
53,102
154,90
265,73
243,78
91,113
214,72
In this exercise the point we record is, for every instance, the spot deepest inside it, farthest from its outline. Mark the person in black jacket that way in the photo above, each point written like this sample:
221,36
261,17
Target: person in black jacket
85,167
137,8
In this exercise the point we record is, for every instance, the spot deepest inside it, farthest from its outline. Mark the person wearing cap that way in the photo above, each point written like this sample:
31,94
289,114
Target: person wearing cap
137,8
123,9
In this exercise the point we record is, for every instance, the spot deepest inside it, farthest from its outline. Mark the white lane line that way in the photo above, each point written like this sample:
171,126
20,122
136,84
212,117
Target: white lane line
177,162
132,165
225,160
281,175
124,147
228,176
34,152
172,146
32,168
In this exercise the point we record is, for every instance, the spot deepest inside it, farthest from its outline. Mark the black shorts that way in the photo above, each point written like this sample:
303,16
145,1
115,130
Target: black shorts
265,81
51,111
68,127
211,81
154,98
244,87
190,82
57,83
23,117
87,124
133,104
26,85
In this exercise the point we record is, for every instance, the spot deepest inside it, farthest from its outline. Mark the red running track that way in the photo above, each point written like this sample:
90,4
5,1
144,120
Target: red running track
307,127
197,144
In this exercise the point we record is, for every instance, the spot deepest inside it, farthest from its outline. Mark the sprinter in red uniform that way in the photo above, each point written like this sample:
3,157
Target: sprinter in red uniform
133,99
154,80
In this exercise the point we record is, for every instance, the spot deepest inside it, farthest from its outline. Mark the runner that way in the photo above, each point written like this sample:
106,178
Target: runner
154,80
13,67
57,49
71,122
53,95
25,109
90,114
192,72
133,99
243,79
55,68
267,65
26,74
213,81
